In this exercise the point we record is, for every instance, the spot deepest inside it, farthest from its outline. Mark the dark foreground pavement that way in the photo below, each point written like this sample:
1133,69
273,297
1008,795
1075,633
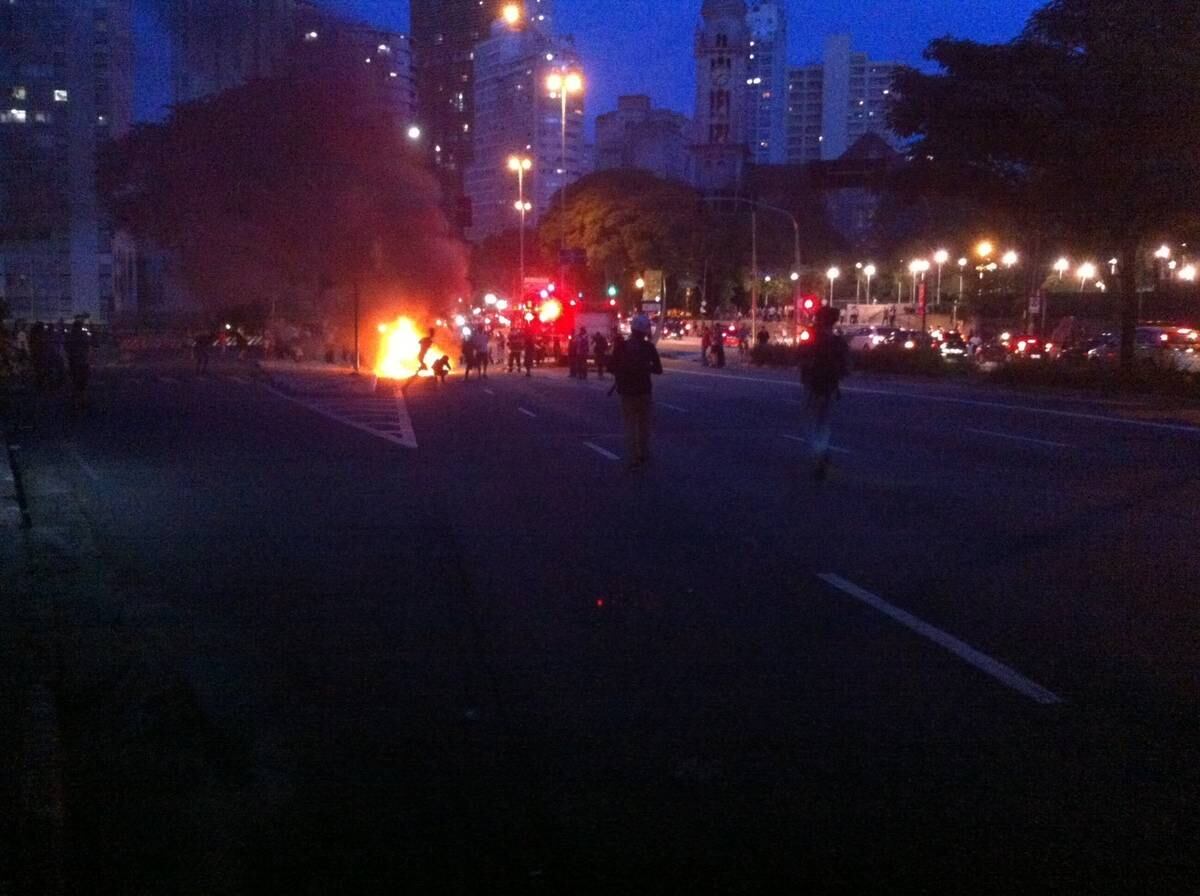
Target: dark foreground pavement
313,659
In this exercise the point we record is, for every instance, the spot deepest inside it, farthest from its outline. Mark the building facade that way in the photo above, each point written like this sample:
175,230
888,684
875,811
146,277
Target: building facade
326,46
219,44
66,88
517,114
444,34
767,83
636,135
805,118
832,105
718,151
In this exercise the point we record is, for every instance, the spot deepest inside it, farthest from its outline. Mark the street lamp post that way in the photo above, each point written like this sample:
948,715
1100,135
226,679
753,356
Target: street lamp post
962,267
521,164
869,271
754,207
918,268
833,273
1086,272
563,83
940,257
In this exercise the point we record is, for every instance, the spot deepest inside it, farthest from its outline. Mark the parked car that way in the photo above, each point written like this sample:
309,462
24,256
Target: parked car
1169,348
992,357
866,339
1027,348
953,349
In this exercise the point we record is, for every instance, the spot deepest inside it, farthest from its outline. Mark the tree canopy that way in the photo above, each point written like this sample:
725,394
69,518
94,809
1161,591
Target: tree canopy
280,189
629,220
1086,125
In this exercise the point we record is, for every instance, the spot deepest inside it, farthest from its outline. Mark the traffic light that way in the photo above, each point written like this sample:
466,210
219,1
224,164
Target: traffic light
612,291
809,304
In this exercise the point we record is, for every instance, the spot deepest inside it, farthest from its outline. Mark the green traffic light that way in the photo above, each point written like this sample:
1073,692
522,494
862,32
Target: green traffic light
612,291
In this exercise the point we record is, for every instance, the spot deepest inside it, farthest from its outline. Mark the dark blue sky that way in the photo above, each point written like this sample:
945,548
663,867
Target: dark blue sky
645,46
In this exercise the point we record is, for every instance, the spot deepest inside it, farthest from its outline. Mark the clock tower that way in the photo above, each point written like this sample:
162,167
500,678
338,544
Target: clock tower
719,151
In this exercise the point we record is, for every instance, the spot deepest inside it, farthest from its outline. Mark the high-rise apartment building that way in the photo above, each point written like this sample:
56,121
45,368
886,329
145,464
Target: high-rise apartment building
66,87
834,104
805,119
636,135
219,44
381,61
444,34
722,50
517,114
767,83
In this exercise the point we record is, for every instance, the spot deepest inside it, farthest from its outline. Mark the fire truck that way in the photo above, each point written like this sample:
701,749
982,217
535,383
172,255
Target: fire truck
554,320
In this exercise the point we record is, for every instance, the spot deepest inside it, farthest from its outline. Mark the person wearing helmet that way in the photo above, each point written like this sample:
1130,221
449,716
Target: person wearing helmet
633,364
822,371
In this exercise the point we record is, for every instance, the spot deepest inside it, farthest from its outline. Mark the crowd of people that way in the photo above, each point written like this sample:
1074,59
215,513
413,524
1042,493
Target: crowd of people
49,356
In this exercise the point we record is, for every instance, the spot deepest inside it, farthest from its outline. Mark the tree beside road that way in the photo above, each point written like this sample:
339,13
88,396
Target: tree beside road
1087,125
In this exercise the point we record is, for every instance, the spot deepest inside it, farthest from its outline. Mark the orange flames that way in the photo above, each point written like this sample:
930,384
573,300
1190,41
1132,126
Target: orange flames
400,349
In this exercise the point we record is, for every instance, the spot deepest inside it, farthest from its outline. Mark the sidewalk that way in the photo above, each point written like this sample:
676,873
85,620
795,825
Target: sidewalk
106,756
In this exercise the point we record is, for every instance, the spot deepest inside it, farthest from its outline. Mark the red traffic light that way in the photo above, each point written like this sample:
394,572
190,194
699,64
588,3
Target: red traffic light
809,304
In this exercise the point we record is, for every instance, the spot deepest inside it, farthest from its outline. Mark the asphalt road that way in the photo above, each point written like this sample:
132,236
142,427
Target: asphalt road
448,645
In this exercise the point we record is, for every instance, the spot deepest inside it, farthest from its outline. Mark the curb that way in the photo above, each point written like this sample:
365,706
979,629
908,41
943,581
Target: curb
11,477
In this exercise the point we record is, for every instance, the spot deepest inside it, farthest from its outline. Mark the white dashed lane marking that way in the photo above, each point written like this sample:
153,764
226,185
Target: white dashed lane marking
603,452
968,654
1012,438
804,441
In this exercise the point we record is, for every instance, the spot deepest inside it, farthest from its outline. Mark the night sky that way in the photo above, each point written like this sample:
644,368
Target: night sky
646,47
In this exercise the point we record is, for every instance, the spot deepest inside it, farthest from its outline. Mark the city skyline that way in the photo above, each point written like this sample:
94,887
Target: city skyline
604,40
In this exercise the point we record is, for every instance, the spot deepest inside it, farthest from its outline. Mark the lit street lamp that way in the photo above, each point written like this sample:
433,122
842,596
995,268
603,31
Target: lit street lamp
1188,273
511,14
940,257
562,84
414,133
869,271
1086,272
519,165
833,273
1061,267
1010,259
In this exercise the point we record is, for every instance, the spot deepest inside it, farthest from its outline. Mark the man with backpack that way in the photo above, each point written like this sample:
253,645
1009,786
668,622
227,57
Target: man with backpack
822,372
632,364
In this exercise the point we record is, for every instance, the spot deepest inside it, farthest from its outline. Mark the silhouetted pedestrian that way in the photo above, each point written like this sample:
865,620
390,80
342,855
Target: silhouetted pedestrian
822,371
633,363
530,352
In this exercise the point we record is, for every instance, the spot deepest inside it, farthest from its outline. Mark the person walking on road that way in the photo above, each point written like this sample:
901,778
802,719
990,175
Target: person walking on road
600,344
530,352
822,372
633,363
718,348
514,351
583,350
483,351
